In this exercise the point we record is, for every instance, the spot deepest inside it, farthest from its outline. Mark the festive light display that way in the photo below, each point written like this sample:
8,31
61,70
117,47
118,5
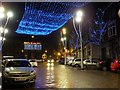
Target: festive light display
96,34
32,46
45,17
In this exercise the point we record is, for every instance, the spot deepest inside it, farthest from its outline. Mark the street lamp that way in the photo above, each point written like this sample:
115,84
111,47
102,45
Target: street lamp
119,13
64,31
78,19
64,40
45,51
3,29
32,36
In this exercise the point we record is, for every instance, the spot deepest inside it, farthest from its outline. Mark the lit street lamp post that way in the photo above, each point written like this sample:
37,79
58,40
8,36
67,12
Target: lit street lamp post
3,29
119,13
63,39
65,50
78,19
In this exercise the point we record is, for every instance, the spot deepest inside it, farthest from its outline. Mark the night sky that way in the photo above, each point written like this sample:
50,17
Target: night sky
14,42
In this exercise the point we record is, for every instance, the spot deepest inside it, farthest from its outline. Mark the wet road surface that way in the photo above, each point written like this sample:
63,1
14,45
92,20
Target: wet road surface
61,76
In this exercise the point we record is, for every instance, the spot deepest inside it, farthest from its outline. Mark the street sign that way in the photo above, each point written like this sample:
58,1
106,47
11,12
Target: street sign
44,56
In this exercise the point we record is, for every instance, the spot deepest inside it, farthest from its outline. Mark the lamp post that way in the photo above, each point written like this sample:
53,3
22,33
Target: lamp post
3,29
63,39
119,13
78,19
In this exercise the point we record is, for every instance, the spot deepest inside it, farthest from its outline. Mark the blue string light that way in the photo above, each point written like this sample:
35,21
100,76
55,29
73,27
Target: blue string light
45,17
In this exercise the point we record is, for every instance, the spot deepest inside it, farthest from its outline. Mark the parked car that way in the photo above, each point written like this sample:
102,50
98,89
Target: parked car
18,71
70,62
104,64
39,60
76,62
115,65
4,58
88,62
61,60
33,62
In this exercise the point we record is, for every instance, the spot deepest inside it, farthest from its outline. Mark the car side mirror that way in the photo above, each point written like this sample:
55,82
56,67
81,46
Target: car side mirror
3,66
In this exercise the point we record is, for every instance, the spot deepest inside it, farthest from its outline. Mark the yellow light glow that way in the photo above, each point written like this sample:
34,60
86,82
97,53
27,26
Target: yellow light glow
48,64
22,50
32,36
52,68
48,68
46,51
52,60
62,39
52,64
10,14
2,9
48,61
64,31
66,50
59,54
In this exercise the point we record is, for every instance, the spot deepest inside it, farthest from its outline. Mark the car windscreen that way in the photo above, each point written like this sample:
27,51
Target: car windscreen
18,64
32,60
78,60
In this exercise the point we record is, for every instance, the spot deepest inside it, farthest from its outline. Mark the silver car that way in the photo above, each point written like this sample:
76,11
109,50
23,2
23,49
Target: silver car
89,62
76,62
33,62
18,71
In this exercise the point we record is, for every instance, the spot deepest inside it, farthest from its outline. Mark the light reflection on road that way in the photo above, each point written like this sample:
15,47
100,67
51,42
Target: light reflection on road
61,76
50,77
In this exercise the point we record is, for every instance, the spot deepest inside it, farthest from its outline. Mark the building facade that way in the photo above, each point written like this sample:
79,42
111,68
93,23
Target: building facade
111,41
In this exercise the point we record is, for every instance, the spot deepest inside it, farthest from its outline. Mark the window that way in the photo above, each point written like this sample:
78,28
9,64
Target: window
18,64
77,60
112,29
88,53
87,61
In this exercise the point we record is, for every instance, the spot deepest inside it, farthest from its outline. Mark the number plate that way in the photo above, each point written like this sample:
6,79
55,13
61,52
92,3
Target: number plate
20,79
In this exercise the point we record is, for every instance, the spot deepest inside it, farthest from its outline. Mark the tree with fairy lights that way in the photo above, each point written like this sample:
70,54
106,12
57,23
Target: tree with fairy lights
97,31
74,39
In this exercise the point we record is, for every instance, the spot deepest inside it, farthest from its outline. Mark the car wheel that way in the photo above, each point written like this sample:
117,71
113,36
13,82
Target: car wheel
76,65
118,70
104,68
85,66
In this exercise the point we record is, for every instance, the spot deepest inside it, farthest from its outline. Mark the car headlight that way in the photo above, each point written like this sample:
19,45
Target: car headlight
48,61
32,73
52,60
6,73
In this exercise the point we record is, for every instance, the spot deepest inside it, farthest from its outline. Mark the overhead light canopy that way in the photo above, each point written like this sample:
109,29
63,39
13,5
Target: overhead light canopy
45,17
